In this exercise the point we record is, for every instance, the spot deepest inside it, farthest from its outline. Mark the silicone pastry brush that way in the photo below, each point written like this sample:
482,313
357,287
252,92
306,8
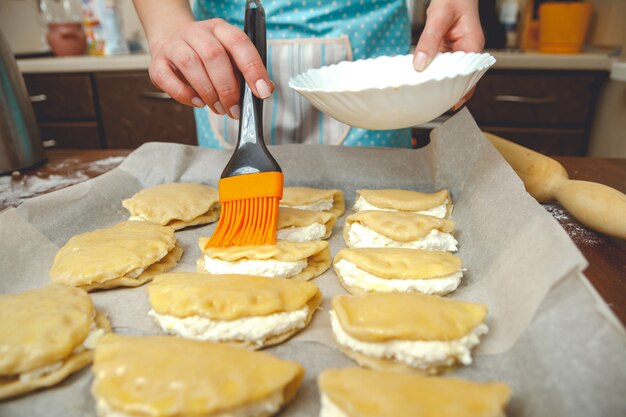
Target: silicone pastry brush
252,182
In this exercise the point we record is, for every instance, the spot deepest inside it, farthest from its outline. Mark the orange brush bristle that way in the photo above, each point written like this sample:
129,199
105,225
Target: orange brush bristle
249,210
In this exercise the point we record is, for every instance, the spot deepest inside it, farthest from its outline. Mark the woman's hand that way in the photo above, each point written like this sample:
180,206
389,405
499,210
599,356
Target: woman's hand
451,25
196,66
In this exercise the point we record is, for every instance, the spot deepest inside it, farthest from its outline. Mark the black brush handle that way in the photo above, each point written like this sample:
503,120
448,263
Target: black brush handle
254,27
251,155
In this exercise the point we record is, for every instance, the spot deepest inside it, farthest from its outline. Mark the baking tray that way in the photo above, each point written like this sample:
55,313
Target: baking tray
551,338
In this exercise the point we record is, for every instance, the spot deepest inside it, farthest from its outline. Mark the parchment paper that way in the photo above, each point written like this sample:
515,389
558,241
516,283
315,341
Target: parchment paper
551,337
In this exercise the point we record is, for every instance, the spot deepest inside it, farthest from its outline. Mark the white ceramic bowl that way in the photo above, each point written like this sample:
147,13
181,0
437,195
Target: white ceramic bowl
387,93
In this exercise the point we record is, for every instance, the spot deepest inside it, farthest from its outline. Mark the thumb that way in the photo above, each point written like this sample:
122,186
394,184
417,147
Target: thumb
437,25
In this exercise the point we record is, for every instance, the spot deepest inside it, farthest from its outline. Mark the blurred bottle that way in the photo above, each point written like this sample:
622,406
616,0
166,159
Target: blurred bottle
93,30
65,32
508,17
109,15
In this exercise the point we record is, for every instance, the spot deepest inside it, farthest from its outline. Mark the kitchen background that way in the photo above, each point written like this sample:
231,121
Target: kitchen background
562,104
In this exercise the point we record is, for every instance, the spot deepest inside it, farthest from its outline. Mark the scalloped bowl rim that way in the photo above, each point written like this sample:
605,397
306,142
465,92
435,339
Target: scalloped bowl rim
294,81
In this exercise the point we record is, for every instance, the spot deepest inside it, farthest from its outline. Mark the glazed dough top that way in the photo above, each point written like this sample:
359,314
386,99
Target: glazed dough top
281,251
42,326
301,196
405,200
175,201
364,393
400,226
110,253
226,297
170,376
379,317
402,263
290,217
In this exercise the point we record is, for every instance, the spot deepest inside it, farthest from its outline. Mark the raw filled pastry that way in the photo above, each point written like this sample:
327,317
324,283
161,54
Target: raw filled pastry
177,205
438,204
295,260
403,332
357,392
163,376
247,311
398,270
125,255
298,225
389,229
316,199
46,334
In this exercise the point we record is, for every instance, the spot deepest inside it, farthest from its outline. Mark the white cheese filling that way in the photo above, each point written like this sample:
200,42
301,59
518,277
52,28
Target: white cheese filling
353,276
320,205
329,408
265,407
254,329
89,343
315,231
138,218
360,236
260,268
439,211
423,355
40,372
134,273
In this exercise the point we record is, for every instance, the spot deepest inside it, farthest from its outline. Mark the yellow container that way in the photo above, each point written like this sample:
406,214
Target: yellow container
563,27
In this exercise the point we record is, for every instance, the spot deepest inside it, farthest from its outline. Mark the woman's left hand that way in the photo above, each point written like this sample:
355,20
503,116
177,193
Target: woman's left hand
451,25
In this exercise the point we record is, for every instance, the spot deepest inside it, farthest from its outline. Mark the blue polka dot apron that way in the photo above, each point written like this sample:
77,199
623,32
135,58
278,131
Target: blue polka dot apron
310,34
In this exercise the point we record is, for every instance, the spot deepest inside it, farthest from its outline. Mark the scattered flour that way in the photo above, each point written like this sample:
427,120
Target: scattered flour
16,188
579,233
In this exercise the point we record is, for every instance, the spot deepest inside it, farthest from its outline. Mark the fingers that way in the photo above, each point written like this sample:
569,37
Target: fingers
164,77
196,66
219,68
438,22
246,57
191,67
474,41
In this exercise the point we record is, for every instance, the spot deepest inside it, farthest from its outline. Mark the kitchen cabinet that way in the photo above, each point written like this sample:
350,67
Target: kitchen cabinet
62,97
70,135
133,112
546,110
106,110
549,111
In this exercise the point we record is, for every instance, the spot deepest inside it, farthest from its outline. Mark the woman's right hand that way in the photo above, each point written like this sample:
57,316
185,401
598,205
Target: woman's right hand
196,64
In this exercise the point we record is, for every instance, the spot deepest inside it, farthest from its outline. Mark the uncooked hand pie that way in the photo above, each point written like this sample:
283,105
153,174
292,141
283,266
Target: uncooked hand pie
317,199
295,260
357,392
165,376
392,229
297,225
404,332
125,255
438,204
247,311
398,270
177,205
45,335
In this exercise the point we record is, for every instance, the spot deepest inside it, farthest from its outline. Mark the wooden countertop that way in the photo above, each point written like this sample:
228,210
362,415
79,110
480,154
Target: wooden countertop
606,256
